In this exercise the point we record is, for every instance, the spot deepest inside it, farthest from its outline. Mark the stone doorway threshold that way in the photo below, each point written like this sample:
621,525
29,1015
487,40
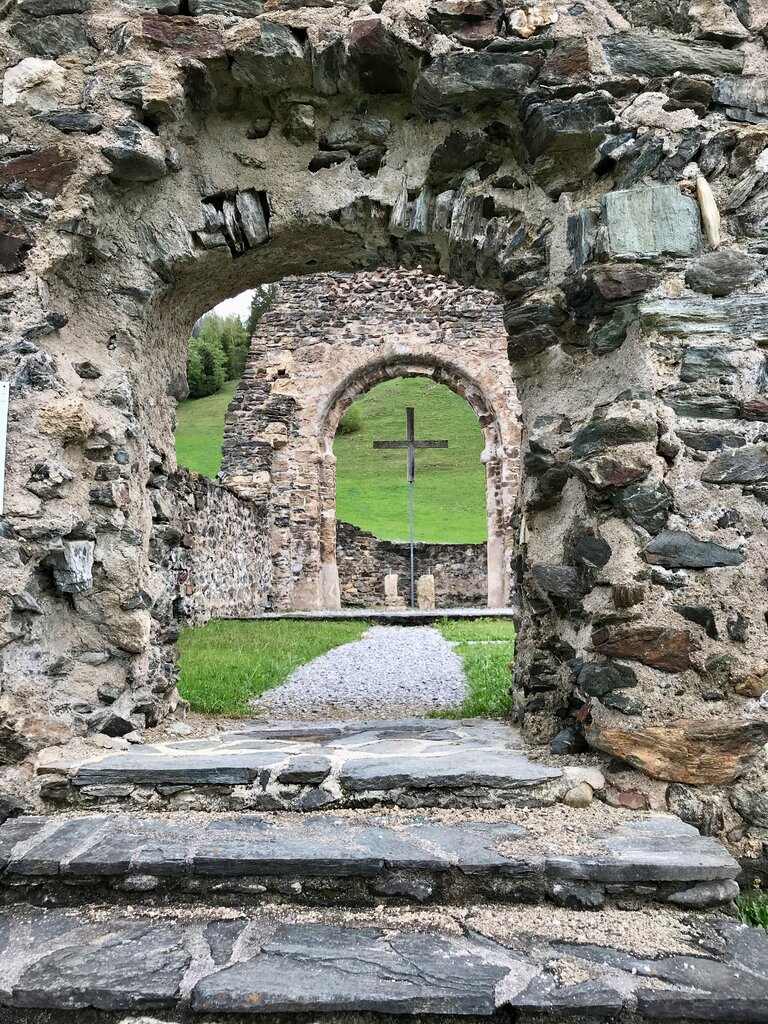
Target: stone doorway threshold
395,616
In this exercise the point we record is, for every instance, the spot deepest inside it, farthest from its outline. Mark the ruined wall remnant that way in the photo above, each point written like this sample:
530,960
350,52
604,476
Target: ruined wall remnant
602,169
327,340
460,570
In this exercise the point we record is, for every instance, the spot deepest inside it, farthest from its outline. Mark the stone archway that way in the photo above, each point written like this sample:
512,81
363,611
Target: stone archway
617,208
328,340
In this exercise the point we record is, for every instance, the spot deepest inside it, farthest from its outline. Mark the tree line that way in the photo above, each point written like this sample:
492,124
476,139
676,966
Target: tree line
218,348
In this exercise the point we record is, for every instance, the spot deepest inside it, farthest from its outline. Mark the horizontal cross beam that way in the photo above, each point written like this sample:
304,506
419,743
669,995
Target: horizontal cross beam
410,444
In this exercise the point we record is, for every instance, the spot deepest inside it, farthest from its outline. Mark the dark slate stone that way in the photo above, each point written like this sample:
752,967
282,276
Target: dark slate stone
47,8
562,581
656,56
686,403
273,63
647,504
75,121
45,857
752,806
609,432
568,741
375,58
744,97
581,236
566,125
53,36
706,361
710,440
592,552
548,995
701,615
662,849
118,968
598,678
676,549
723,271
148,768
305,769
464,81
136,155
476,768
231,8
305,968
16,831
747,466
652,220
221,937
471,847
458,151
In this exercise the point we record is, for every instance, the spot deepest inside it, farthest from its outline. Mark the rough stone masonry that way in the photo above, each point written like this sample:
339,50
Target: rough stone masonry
328,339
602,168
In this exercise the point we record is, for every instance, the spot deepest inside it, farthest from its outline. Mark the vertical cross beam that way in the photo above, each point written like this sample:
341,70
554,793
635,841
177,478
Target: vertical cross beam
411,444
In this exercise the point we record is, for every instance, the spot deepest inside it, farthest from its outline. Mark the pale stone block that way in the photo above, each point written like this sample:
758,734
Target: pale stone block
425,592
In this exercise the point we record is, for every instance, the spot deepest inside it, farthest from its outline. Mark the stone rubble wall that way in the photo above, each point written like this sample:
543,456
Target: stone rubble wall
212,547
460,570
328,339
601,167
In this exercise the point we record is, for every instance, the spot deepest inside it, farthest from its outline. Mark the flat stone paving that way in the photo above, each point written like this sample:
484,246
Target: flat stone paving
302,766
309,963
390,671
414,856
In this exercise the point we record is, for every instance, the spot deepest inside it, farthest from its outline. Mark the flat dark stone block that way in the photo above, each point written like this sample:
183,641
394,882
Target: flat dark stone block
121,968
478,768
151,769
317,968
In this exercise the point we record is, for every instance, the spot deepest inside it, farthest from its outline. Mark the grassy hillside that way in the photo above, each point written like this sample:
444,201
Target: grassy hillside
201,431
371,487
372,491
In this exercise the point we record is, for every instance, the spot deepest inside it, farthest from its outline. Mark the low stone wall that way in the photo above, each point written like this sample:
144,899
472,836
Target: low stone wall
212,547
460,570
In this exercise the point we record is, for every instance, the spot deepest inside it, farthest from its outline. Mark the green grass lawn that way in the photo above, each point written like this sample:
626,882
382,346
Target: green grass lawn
225,664
201,431
486,663
371,488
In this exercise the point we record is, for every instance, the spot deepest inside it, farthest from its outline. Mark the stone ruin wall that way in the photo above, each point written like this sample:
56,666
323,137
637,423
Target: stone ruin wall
327,340
460,570
601,167
213,547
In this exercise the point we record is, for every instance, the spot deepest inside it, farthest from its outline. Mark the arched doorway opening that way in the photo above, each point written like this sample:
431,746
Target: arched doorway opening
499,496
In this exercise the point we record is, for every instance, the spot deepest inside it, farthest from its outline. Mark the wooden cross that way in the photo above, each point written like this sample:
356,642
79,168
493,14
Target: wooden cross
411,444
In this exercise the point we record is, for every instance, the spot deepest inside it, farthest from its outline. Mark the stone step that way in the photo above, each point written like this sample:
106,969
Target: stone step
300,766
574,858
504,963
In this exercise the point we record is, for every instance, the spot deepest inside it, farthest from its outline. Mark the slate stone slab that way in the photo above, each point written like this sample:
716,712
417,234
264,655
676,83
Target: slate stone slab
652,220
220,769
123,968
317,968
46,856
502,771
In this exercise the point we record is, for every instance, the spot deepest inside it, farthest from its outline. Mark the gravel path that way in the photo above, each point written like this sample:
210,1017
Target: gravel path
392,671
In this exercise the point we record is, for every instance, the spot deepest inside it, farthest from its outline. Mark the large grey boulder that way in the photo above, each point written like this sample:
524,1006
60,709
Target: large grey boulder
676,549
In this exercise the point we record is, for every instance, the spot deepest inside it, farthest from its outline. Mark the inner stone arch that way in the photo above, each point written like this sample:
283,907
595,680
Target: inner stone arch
328,340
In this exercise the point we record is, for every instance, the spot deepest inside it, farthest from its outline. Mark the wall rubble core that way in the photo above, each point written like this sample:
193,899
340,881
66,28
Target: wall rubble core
460,570
153,164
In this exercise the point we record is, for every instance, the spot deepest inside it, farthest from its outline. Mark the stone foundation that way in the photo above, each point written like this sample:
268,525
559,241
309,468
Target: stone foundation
460,570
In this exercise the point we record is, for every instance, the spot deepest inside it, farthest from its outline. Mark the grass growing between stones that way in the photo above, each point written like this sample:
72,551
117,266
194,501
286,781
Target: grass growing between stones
486,648
753,906
225,664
